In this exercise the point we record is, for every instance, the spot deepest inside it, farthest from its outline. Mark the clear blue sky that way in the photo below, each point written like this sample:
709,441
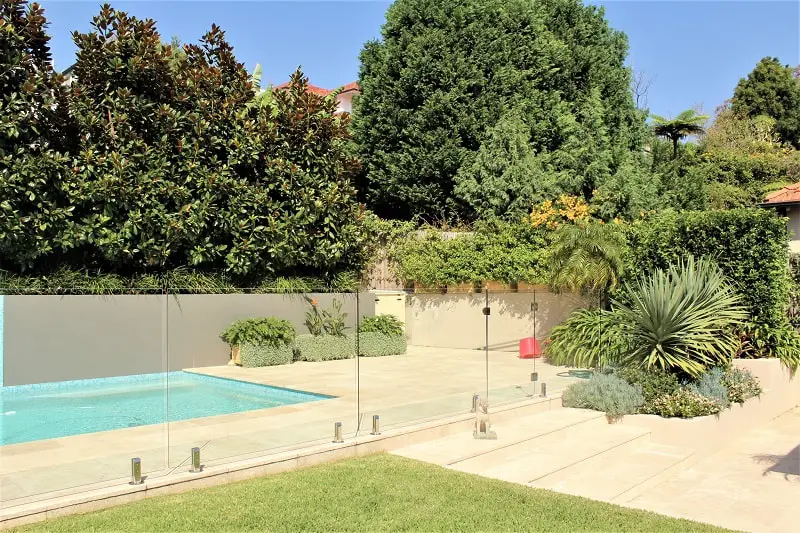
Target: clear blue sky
693,51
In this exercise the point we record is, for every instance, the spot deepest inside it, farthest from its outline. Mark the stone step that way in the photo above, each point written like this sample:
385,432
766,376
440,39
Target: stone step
553,452
461,447
618,475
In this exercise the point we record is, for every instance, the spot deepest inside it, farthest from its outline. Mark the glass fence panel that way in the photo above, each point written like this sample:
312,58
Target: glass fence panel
433,367
241,389
519,328
84,391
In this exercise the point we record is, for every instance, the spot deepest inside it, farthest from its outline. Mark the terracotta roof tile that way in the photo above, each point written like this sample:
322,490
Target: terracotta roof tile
353,86
786,195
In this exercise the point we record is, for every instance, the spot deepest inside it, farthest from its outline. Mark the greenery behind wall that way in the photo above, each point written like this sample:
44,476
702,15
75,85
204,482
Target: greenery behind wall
750,246
156,159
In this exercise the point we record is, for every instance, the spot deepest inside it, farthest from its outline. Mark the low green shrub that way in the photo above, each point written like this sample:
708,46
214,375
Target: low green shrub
324,347
66,280
253,355
654,382
376,344
711,386
259,331
603,392
682,404
741,385
588,338
385,324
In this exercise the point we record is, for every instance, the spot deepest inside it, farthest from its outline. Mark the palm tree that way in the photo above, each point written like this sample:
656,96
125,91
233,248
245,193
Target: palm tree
685,124
586,257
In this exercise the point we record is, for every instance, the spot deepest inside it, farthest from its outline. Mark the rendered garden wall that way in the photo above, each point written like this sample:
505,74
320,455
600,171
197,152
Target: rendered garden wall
60,338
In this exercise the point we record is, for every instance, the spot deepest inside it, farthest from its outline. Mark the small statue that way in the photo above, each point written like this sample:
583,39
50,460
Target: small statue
483,427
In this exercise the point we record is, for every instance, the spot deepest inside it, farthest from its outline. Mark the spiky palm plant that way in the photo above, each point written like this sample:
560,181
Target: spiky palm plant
586,257
681,319
685,124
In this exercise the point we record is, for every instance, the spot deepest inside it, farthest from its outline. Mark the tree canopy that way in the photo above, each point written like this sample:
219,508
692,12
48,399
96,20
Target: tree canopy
771,89
173,162
483,107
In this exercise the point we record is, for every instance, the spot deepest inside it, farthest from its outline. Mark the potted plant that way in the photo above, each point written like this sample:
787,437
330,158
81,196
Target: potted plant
259,331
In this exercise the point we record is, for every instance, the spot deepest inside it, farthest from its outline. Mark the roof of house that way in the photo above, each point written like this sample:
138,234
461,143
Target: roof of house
786,195
352,86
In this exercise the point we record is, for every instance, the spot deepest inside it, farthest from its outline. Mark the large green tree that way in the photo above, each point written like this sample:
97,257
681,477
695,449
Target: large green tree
35,136
173,161
452,85
771,89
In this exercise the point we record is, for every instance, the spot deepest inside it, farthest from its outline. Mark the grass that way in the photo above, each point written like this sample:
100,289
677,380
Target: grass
375,493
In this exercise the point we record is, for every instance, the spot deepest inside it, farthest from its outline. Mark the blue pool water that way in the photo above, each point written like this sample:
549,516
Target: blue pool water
50,410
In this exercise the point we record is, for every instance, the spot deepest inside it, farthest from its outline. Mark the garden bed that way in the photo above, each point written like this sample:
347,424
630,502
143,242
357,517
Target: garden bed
781,393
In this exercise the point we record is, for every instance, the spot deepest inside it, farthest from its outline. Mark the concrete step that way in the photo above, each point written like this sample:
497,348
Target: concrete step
554,452
461,447
620,474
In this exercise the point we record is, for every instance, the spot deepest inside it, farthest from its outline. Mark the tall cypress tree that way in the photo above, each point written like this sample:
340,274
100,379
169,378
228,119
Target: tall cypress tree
444,73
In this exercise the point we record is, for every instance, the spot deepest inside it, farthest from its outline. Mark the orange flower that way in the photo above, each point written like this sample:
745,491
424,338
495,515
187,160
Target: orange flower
314,302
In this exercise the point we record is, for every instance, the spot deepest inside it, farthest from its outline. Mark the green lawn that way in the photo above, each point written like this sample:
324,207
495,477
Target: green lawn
376,493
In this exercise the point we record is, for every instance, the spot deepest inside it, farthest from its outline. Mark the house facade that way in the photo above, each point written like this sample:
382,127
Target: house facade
786,202
344,99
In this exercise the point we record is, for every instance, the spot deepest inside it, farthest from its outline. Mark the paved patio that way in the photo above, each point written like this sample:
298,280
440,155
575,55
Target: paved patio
753,484
424,384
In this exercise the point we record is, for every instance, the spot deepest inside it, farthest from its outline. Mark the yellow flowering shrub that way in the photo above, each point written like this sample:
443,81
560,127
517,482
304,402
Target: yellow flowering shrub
565,209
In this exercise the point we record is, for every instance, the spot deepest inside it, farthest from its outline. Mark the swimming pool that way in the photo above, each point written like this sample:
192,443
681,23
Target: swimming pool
50,410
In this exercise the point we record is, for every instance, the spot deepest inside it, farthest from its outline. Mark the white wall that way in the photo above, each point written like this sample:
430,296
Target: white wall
345,101
457,321
793,212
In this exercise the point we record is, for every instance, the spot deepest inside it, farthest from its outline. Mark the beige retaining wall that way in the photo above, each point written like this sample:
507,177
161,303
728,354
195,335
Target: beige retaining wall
456,320
781,393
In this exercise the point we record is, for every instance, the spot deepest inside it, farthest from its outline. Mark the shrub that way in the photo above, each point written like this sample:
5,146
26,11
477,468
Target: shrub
495,251
711,386
324,347
253,355
654,382
748,245
376,344
385,324
602,392
680,319
741,384
682,404
325,322
588,338
760,340
274,332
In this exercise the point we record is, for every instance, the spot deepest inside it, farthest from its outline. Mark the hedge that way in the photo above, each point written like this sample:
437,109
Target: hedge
374,344
324,347
253,355
749,245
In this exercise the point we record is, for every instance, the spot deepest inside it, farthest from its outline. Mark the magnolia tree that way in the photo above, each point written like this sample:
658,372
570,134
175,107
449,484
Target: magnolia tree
176,162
